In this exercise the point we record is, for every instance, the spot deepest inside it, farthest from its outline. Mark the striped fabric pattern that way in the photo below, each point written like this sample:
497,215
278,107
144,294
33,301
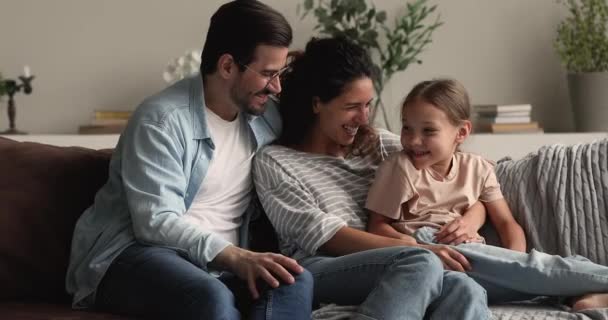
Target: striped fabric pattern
309,197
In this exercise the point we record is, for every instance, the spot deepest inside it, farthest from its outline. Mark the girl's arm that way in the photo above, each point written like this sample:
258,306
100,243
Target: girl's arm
464,228
510,232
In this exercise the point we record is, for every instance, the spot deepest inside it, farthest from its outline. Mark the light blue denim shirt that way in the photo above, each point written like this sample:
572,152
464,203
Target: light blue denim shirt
156,170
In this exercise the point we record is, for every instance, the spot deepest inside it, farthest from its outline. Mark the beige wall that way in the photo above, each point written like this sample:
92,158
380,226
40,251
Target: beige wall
89,54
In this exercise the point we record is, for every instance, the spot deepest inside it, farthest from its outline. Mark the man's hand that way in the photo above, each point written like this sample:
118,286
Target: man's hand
452,259
457,232
250,266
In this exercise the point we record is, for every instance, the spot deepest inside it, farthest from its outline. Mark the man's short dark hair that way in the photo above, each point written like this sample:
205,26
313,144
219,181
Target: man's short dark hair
238,27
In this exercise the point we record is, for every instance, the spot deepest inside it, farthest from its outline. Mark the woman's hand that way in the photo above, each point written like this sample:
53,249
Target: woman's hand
457,232
464,229
451,259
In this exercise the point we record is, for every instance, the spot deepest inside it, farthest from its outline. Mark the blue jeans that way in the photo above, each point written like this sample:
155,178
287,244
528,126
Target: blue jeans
159,283
396,283
509,275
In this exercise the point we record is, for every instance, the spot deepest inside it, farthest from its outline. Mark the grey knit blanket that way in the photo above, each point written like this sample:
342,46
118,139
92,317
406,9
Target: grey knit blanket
559,194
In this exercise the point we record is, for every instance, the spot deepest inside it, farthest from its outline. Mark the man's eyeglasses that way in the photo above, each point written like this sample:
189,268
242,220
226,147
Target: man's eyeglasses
267,75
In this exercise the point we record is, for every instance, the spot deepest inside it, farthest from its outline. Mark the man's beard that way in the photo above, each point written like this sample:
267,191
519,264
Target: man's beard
243,101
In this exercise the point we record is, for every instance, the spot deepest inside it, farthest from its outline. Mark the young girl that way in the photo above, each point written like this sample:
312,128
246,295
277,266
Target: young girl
430,184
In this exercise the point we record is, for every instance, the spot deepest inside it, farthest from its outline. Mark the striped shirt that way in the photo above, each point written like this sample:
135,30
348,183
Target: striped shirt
309,197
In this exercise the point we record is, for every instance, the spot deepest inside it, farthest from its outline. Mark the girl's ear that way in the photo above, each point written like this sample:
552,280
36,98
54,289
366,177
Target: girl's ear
463,131
316,105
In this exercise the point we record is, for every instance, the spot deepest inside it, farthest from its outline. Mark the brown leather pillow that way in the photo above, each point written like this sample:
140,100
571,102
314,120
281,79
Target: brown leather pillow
43,191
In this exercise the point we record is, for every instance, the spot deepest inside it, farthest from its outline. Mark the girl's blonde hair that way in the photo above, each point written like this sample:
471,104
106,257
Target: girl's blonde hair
448,95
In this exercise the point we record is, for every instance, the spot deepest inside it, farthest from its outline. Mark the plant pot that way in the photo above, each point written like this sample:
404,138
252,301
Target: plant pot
589,100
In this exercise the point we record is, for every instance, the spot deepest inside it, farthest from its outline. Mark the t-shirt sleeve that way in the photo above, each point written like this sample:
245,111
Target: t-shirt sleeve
389,190
490,190
291,208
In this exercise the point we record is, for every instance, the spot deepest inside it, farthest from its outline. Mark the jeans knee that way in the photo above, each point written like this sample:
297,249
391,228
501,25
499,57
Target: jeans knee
305,280
424,263
474,290
301,289
466,287
210,300
422,258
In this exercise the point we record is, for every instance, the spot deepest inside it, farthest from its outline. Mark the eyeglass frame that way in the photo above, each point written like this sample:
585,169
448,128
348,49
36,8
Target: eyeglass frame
270,77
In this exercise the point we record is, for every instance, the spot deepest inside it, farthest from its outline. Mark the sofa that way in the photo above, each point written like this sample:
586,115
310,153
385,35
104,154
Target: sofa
44,189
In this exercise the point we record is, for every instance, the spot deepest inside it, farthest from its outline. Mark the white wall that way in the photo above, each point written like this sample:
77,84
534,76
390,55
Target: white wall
110,54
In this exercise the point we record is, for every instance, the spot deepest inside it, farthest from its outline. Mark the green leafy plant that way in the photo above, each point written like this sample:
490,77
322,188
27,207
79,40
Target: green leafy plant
392,49
2,87
582,42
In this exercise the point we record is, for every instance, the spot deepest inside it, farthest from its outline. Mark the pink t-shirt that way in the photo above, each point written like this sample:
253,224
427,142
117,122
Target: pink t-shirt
432,200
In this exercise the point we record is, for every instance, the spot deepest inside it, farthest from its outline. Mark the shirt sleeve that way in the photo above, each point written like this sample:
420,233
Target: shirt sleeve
291,208
490,190
389,190
155,187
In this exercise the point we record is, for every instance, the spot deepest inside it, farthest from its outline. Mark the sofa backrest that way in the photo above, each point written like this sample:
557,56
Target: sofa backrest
43,191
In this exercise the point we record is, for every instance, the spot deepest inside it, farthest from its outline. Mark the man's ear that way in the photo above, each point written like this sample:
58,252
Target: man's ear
226,66
463,131
316,105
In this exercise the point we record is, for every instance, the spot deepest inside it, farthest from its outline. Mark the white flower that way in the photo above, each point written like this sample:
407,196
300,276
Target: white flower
183,66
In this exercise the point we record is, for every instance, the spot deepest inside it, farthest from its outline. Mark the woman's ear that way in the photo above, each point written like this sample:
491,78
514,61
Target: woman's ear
316,105
463,131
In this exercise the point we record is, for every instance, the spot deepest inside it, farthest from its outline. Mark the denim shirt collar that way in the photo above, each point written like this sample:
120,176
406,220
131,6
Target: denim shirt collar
199,111
197,108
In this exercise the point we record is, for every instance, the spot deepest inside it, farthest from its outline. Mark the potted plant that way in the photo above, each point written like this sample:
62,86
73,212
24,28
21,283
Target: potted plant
582,45
2,87
399,47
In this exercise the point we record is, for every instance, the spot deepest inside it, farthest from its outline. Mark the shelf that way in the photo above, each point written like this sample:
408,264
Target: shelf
490,145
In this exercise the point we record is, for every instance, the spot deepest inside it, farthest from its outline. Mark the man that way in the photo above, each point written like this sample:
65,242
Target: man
161,239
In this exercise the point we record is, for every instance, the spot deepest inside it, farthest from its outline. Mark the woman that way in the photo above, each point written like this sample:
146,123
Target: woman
314,184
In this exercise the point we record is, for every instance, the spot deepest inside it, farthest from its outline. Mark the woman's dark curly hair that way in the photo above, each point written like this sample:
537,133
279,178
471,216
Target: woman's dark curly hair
322,71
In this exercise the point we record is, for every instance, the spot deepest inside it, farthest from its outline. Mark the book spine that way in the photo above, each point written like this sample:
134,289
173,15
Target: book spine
112,114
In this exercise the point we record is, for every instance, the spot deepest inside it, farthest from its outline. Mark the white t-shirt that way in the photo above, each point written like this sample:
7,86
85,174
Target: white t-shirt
225,192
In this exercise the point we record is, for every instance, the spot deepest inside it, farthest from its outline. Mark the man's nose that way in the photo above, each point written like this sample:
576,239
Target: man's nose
274,85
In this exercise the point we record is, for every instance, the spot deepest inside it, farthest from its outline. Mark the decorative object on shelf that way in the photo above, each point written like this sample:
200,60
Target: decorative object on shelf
107,122
504,118
582,45
362,22
183,66
10,87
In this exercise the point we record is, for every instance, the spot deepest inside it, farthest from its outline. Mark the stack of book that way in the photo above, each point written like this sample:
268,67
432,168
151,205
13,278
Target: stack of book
504,118
106,122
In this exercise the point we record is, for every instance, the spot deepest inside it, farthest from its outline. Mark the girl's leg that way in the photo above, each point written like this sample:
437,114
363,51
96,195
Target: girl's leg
389,283
513,275
509,275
